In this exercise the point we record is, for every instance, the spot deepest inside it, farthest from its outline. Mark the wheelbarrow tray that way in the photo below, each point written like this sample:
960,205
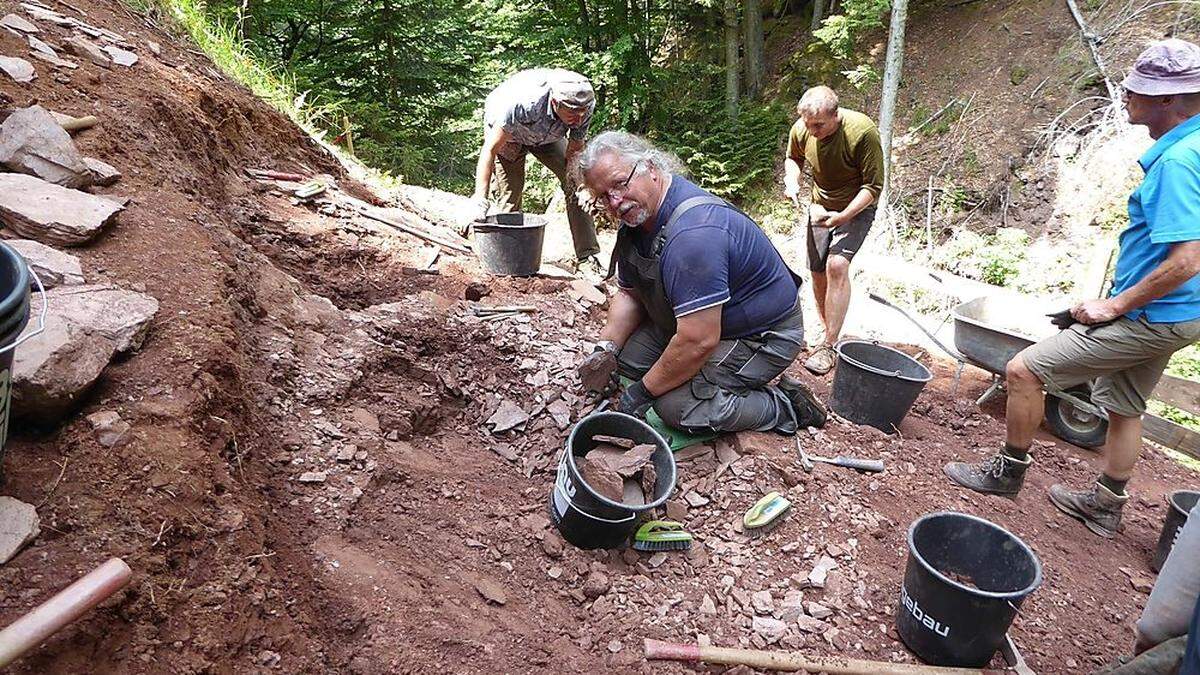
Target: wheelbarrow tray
991,330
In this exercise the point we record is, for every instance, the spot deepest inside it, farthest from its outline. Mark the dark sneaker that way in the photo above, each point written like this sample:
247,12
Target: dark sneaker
1098,508
809,411
998,475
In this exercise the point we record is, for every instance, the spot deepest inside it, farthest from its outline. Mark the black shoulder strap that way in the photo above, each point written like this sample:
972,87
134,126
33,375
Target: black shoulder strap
680,209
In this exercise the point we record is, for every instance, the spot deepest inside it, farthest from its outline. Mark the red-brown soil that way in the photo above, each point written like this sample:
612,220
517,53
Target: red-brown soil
276,352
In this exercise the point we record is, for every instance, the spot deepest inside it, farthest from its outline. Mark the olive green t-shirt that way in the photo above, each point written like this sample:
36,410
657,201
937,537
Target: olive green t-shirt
843,163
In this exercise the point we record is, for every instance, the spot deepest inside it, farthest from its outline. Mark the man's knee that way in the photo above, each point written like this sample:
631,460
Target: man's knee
837,267
1019,375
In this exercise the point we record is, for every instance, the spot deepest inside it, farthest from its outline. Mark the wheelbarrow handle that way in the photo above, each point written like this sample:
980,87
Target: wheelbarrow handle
953,354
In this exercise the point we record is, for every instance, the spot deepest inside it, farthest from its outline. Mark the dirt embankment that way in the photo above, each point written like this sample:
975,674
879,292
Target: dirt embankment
312,486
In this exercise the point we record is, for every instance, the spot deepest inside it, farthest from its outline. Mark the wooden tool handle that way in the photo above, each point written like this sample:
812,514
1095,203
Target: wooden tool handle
69,604
791,661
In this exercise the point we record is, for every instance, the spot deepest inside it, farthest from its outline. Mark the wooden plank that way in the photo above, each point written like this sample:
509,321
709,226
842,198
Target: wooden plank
1169,434
1178,392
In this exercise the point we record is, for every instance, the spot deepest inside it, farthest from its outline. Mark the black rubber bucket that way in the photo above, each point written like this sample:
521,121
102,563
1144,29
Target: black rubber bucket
14,316
1179,504
590,520
965,580
875,385
510,244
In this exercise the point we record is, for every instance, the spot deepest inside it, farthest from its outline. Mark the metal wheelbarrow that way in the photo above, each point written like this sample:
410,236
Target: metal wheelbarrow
988,333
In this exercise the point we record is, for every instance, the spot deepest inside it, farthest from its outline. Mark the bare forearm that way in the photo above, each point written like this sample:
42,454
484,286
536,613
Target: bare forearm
791,174
862,200
625,314
679,363
1168,276
483,172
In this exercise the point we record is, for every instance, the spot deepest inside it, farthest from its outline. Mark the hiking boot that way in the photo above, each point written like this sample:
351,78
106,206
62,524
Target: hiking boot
809,411
591,269
1098,508
998,475
821,361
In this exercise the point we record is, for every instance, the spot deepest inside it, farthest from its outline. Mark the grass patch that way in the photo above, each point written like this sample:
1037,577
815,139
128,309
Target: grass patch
220,41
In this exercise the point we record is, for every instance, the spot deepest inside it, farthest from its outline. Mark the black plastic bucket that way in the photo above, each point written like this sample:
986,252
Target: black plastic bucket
874,384
964,581
1179,504
590,520
14,316
510,244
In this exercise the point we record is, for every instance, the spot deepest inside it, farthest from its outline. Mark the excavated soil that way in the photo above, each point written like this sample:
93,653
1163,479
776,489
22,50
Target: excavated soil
293,342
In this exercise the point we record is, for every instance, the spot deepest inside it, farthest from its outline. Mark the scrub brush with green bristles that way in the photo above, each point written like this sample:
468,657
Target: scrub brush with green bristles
766,514
662,535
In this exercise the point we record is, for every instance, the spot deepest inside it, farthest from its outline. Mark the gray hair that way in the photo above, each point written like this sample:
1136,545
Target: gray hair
817,102
634,149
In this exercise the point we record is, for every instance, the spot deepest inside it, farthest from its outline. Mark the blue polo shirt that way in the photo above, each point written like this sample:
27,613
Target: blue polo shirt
1164,210
715,255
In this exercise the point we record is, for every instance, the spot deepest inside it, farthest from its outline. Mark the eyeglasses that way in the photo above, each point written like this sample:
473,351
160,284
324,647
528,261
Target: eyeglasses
619,190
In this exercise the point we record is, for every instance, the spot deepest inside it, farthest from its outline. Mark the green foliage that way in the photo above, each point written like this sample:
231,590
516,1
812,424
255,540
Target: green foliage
993,259
730,157
1018,74
840,32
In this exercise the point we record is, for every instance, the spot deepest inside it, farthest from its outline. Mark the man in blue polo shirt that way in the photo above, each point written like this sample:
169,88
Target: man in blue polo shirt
706,315
1126,339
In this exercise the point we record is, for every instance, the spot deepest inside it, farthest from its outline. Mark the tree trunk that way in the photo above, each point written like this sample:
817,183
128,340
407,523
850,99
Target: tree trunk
752,26
818,14
731,57
891,84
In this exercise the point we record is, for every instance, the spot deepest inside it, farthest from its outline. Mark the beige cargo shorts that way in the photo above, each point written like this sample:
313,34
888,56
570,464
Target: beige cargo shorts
1126,358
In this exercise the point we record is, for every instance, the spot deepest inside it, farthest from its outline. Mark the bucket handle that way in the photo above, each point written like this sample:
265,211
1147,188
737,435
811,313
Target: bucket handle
41,314
559,489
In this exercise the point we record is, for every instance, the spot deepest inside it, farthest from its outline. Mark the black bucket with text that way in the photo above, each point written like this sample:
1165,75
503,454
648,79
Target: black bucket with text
964,582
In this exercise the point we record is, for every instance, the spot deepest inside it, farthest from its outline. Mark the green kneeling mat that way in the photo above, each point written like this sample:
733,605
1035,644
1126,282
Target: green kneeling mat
678,439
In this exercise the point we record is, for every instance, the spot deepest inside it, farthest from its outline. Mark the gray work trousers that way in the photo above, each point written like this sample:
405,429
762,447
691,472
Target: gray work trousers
508,185
732,392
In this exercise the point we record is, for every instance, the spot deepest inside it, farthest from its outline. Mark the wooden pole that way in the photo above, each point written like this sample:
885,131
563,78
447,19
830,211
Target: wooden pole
67,605
792,661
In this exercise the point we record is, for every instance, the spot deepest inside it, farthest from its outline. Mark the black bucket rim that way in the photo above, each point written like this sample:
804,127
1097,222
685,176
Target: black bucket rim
879,371
15,297
659,441
1178,509
529,221
979,592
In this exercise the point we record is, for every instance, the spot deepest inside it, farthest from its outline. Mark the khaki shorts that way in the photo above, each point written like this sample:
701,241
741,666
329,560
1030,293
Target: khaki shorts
1125,357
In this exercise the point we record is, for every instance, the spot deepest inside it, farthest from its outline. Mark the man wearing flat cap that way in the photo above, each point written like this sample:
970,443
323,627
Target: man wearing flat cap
546,112
1124,341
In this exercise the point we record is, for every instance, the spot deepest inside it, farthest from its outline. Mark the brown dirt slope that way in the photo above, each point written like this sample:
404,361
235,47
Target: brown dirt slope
293,343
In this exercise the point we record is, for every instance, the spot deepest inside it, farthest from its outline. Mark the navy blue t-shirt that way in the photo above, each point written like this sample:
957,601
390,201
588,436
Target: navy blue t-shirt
715,255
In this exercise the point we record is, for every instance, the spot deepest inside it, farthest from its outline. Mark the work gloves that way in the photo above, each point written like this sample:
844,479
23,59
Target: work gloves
598,372
635,400
1062,320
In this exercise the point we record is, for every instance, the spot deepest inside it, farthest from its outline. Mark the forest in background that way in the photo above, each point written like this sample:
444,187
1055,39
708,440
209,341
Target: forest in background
404,80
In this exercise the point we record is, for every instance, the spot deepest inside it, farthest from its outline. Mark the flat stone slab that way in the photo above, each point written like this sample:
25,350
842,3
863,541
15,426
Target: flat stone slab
19,70
86,49
19,24
121,57
19,525
53,214
54,267
33,142
86,328
106,174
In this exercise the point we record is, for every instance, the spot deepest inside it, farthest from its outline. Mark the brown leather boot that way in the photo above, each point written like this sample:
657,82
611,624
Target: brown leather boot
1098,508
998,475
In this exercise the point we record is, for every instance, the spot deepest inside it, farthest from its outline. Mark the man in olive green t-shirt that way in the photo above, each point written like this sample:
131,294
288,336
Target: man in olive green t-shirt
842,147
